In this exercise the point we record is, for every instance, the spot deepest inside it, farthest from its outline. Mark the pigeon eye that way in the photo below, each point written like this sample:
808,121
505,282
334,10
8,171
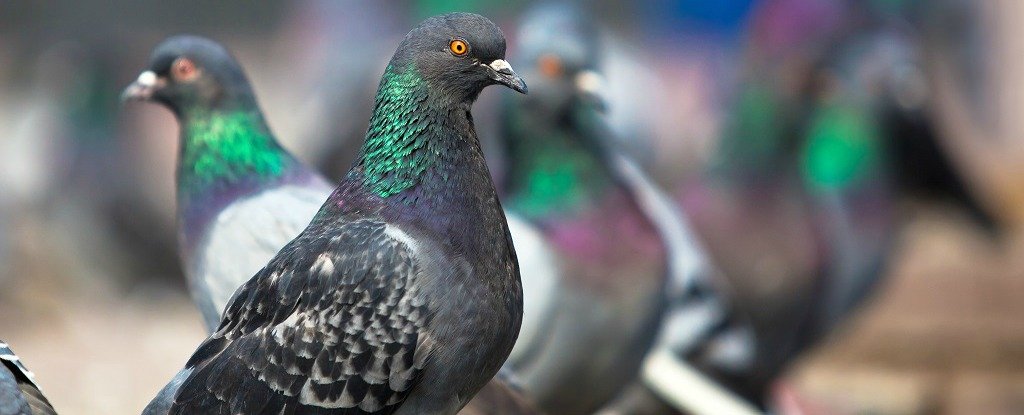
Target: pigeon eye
458,47
184,70
550,66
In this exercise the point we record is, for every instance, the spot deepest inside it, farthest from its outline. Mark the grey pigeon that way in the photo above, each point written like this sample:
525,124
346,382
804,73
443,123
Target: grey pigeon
19,393
241,196
403,294
600,245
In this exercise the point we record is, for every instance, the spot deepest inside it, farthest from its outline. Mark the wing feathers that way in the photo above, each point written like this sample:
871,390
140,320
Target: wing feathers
332,325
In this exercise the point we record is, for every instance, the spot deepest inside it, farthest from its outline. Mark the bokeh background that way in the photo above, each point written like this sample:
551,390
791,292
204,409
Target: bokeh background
862,137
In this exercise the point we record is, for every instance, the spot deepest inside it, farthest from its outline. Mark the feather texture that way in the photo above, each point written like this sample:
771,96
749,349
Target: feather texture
402,295
250,232
19,393
323,326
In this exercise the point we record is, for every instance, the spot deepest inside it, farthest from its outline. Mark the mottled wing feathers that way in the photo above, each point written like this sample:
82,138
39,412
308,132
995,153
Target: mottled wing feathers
19,394
332,325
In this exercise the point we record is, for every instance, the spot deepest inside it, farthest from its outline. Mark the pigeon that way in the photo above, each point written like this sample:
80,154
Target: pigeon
403,294
241,196
248,233
599,244
19,393
820,165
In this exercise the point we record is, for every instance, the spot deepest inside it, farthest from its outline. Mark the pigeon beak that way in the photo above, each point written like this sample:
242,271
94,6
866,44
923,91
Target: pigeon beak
502,73
590,86
143,87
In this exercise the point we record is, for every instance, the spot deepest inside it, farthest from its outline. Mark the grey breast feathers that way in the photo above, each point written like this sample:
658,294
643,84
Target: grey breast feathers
244,237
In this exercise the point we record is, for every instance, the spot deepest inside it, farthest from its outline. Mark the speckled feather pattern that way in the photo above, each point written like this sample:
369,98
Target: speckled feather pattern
322,325
342,319
407,277
401,296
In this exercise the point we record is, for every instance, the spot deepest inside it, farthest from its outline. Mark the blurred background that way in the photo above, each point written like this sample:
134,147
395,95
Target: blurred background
880,142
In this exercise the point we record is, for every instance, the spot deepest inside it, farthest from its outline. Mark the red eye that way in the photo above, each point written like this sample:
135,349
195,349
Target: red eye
458,47
184,70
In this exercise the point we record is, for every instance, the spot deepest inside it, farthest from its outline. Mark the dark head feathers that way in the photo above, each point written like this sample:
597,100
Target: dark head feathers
189,72
486,40
457,76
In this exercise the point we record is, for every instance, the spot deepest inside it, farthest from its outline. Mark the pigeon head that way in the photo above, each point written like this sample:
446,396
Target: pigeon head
458,54
192,73
561,51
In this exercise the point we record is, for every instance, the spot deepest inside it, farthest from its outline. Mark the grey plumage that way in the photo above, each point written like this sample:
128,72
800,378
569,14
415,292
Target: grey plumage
11,400
231,229
587,348
161,404
700,327
592,303
376,320
402,295
19,393
243,237
541,286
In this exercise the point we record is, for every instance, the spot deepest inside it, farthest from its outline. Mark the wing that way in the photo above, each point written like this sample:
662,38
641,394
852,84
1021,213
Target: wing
19,394
332,325
249,233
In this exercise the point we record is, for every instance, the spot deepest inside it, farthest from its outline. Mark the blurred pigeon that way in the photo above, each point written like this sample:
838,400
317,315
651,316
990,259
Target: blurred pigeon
597,241
817,159
19,393
240,195
402,295
586,329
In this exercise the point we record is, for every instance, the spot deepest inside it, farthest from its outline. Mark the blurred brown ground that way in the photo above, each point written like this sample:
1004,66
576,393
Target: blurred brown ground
95,348
943,336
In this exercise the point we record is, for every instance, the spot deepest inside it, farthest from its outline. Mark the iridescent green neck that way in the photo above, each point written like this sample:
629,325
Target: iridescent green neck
223,148
551,169
395,154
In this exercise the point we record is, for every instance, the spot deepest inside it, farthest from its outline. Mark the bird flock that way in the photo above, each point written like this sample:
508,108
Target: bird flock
419,285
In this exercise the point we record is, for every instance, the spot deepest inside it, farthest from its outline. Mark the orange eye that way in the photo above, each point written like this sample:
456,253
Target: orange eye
550,65
184,70
458,47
